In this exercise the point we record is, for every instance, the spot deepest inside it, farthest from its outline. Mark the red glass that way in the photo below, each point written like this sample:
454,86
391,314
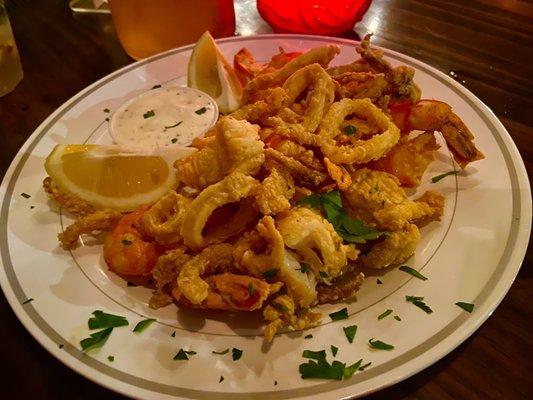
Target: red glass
324,17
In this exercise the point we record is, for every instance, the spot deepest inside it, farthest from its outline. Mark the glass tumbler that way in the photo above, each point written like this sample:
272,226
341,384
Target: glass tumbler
147,27
10,67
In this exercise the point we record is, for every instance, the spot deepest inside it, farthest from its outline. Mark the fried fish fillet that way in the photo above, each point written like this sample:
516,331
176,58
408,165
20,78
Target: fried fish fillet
236,148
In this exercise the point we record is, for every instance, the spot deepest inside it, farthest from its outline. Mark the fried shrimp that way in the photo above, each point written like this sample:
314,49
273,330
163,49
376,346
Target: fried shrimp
103,220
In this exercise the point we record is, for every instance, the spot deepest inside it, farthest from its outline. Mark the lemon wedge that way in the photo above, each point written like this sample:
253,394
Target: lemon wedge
113,177
211,73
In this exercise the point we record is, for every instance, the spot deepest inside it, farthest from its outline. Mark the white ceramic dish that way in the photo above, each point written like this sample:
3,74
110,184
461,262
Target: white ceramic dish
472,255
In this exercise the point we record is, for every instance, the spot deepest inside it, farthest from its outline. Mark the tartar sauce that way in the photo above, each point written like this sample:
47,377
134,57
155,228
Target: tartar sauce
167,116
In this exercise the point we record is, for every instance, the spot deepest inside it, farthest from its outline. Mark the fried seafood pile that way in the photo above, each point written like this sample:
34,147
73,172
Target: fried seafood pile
290,196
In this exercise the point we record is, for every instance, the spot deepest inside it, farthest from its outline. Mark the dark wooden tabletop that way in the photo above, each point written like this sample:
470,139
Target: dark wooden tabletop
488,44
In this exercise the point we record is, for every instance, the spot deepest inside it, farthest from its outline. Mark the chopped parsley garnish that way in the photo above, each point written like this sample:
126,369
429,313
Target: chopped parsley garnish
397,318
413,272
107,119
173,334
417,301
351,230
25,195
384,314
220,379
352,369
379,282
156,86
181,355
437,178
334,350
32,207
323,274
127,242
338,315
308,336
270,273
104,320
131,284
363,367
142,325
28,301
110,358
469,307
107,110
304,267
251,289
149,114
280,307
350,332
221,353
321,369
174,140
275,383
61,345
315,355
349,130
236,354
378,344
96,339
200,111
173,126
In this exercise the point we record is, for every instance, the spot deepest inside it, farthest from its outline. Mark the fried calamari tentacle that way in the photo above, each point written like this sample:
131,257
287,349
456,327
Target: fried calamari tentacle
165,272
316,242
364,151
321,55
339,174
293,150
231,189
395,249
275,192
236,148
103,220
163,220
69,202
343,289
360,85
296,169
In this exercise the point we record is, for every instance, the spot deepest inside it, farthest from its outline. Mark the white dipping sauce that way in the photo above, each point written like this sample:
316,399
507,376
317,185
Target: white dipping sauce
167,116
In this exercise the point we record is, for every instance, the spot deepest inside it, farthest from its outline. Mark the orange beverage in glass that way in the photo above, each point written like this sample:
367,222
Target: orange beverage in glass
147,27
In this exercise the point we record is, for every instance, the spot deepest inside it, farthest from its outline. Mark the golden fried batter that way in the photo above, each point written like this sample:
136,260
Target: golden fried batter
103,220
275,192
71,203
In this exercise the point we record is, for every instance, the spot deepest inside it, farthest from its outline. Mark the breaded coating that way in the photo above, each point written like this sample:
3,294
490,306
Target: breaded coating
165,272
163,220
103,220
236,148
69,202
360,85
296,169
275,192
395,249
344,288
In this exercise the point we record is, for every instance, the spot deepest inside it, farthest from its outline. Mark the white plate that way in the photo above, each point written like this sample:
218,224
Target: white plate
472,255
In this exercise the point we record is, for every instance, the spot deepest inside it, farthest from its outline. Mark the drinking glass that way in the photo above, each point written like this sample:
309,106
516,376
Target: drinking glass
146,27
10,68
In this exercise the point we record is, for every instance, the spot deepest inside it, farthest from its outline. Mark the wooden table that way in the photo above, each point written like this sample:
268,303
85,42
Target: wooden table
487,45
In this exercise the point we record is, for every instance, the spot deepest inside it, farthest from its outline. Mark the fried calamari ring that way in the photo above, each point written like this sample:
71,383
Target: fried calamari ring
364,151
214,258
232,188
163,220
321,55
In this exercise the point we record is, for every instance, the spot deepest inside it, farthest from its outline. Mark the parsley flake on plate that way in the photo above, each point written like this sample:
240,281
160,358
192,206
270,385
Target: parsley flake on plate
397,318
221,353
25,195
338,315
413,272
220,379
334,350
142,325
200,111
308,336
28,301
173,334
107,110
236,354
96,339
437,178
104,320
315,355
131,284
350,332
352,369
379,282
181,355
385,314
110,358
417,301
174,140
363,367
469,307
378,344
156,86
